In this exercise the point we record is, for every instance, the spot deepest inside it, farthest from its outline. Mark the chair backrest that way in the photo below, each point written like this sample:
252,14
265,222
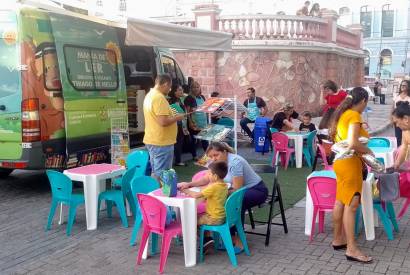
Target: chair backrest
226,121
323,155
61,185
322,191
378,142
280,141
310,138
154,213
233,206
138,159
273,130
142,185
199,175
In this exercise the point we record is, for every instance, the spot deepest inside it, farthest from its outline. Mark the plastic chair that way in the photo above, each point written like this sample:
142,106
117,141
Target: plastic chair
142,185
275,196
378,142
233,207
154,214
137,159
323,193
280,144
308,151
387,215
201,206
323,151
110,197
199,175
61,192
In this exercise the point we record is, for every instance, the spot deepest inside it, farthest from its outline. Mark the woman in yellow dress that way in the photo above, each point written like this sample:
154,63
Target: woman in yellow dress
347,125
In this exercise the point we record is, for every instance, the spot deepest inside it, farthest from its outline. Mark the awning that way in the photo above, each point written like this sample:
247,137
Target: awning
161,34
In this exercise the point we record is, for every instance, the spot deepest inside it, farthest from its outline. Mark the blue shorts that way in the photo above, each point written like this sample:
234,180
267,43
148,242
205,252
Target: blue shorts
160,157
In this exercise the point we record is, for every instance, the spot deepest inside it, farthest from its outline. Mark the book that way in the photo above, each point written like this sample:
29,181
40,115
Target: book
214,132
211,105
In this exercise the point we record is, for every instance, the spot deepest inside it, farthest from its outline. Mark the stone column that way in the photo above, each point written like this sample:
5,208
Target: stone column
359,75
206,16
358,30
331,16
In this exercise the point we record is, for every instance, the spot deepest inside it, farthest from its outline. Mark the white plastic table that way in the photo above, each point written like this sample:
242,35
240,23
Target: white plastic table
187,209
366,201
386,153
93,177
298,139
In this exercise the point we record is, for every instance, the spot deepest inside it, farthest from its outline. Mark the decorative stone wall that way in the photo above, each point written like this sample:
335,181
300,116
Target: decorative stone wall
277,76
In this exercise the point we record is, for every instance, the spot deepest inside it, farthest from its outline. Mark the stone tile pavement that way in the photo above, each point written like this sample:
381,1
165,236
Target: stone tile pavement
25,248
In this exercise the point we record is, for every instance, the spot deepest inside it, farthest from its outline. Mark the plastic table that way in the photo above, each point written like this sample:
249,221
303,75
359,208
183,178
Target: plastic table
187,209
366,201
298,139
385,153
93,177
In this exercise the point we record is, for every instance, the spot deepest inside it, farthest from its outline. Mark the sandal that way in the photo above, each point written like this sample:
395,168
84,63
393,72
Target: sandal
360,259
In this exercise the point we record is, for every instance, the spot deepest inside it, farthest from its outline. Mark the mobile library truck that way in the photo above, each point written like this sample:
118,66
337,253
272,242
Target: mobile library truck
62,73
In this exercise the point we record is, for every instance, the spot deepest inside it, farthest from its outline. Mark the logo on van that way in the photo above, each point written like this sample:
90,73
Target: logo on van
99,32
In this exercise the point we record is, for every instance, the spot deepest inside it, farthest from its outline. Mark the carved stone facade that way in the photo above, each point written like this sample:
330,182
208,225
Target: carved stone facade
277,76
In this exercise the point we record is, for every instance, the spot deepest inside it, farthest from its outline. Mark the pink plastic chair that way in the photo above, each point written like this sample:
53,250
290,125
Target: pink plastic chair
280,146
404,181
323,193
202,205
323,156
154,214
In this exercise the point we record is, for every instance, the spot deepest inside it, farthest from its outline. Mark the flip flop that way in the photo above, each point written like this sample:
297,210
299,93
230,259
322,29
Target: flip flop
359,259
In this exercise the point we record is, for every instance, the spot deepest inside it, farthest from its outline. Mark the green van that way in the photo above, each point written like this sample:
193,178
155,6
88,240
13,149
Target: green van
60,77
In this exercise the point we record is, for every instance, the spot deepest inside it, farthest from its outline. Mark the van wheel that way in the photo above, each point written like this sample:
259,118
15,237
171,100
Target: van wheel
5,172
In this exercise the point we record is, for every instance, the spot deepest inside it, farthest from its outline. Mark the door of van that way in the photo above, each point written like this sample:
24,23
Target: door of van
10,88
92,79
171,67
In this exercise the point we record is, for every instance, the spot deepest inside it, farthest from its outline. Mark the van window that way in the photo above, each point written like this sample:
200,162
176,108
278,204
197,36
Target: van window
50,68
91,69
171,67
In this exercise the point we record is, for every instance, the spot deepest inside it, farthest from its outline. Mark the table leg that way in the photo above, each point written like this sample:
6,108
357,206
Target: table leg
189,224
367,207
92,189
308,212
298,151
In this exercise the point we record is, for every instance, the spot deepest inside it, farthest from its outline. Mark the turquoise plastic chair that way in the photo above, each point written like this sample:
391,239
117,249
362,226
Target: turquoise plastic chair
142,185
110,197
308,151
387,217
137,159
233,207
378,142
62,192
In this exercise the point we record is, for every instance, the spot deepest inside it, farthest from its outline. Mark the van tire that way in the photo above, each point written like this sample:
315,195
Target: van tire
5,172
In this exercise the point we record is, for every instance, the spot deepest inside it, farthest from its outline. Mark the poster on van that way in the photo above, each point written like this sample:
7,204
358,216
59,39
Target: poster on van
92,83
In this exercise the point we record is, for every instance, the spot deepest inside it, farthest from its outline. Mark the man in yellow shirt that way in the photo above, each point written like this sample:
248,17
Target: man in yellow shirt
160,125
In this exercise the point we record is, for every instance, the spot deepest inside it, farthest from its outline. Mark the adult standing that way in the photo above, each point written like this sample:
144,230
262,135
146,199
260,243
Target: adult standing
282,120
240,174
402,96
330,98
160,125
347,125
175,100
315,10
255,106
197,120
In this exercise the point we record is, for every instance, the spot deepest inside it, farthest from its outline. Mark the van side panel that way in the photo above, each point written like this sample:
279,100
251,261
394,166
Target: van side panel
41,81
92,77
10,87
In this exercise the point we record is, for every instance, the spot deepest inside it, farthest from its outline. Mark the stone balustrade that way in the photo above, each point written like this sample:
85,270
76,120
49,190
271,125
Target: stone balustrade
282,27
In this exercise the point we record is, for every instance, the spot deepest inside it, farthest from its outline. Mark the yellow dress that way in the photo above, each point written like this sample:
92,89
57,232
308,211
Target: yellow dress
348,171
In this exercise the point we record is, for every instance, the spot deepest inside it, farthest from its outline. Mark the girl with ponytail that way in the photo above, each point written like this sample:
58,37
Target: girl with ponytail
346,124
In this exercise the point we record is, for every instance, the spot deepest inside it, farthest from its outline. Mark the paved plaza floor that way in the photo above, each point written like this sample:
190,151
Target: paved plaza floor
25,248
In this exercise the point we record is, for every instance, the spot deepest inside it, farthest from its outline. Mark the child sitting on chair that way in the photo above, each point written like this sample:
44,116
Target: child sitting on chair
307,125
215,194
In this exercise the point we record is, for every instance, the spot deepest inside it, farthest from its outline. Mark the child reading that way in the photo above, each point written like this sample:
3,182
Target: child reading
215,194
307,125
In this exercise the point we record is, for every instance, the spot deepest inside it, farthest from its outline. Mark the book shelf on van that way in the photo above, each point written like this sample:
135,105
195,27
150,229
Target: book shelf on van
135,98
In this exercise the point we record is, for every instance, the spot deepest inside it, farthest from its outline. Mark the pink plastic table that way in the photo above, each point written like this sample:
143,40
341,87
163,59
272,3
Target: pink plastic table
93,177
187,208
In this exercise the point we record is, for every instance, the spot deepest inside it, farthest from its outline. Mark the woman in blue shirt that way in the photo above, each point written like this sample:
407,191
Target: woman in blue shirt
240,174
